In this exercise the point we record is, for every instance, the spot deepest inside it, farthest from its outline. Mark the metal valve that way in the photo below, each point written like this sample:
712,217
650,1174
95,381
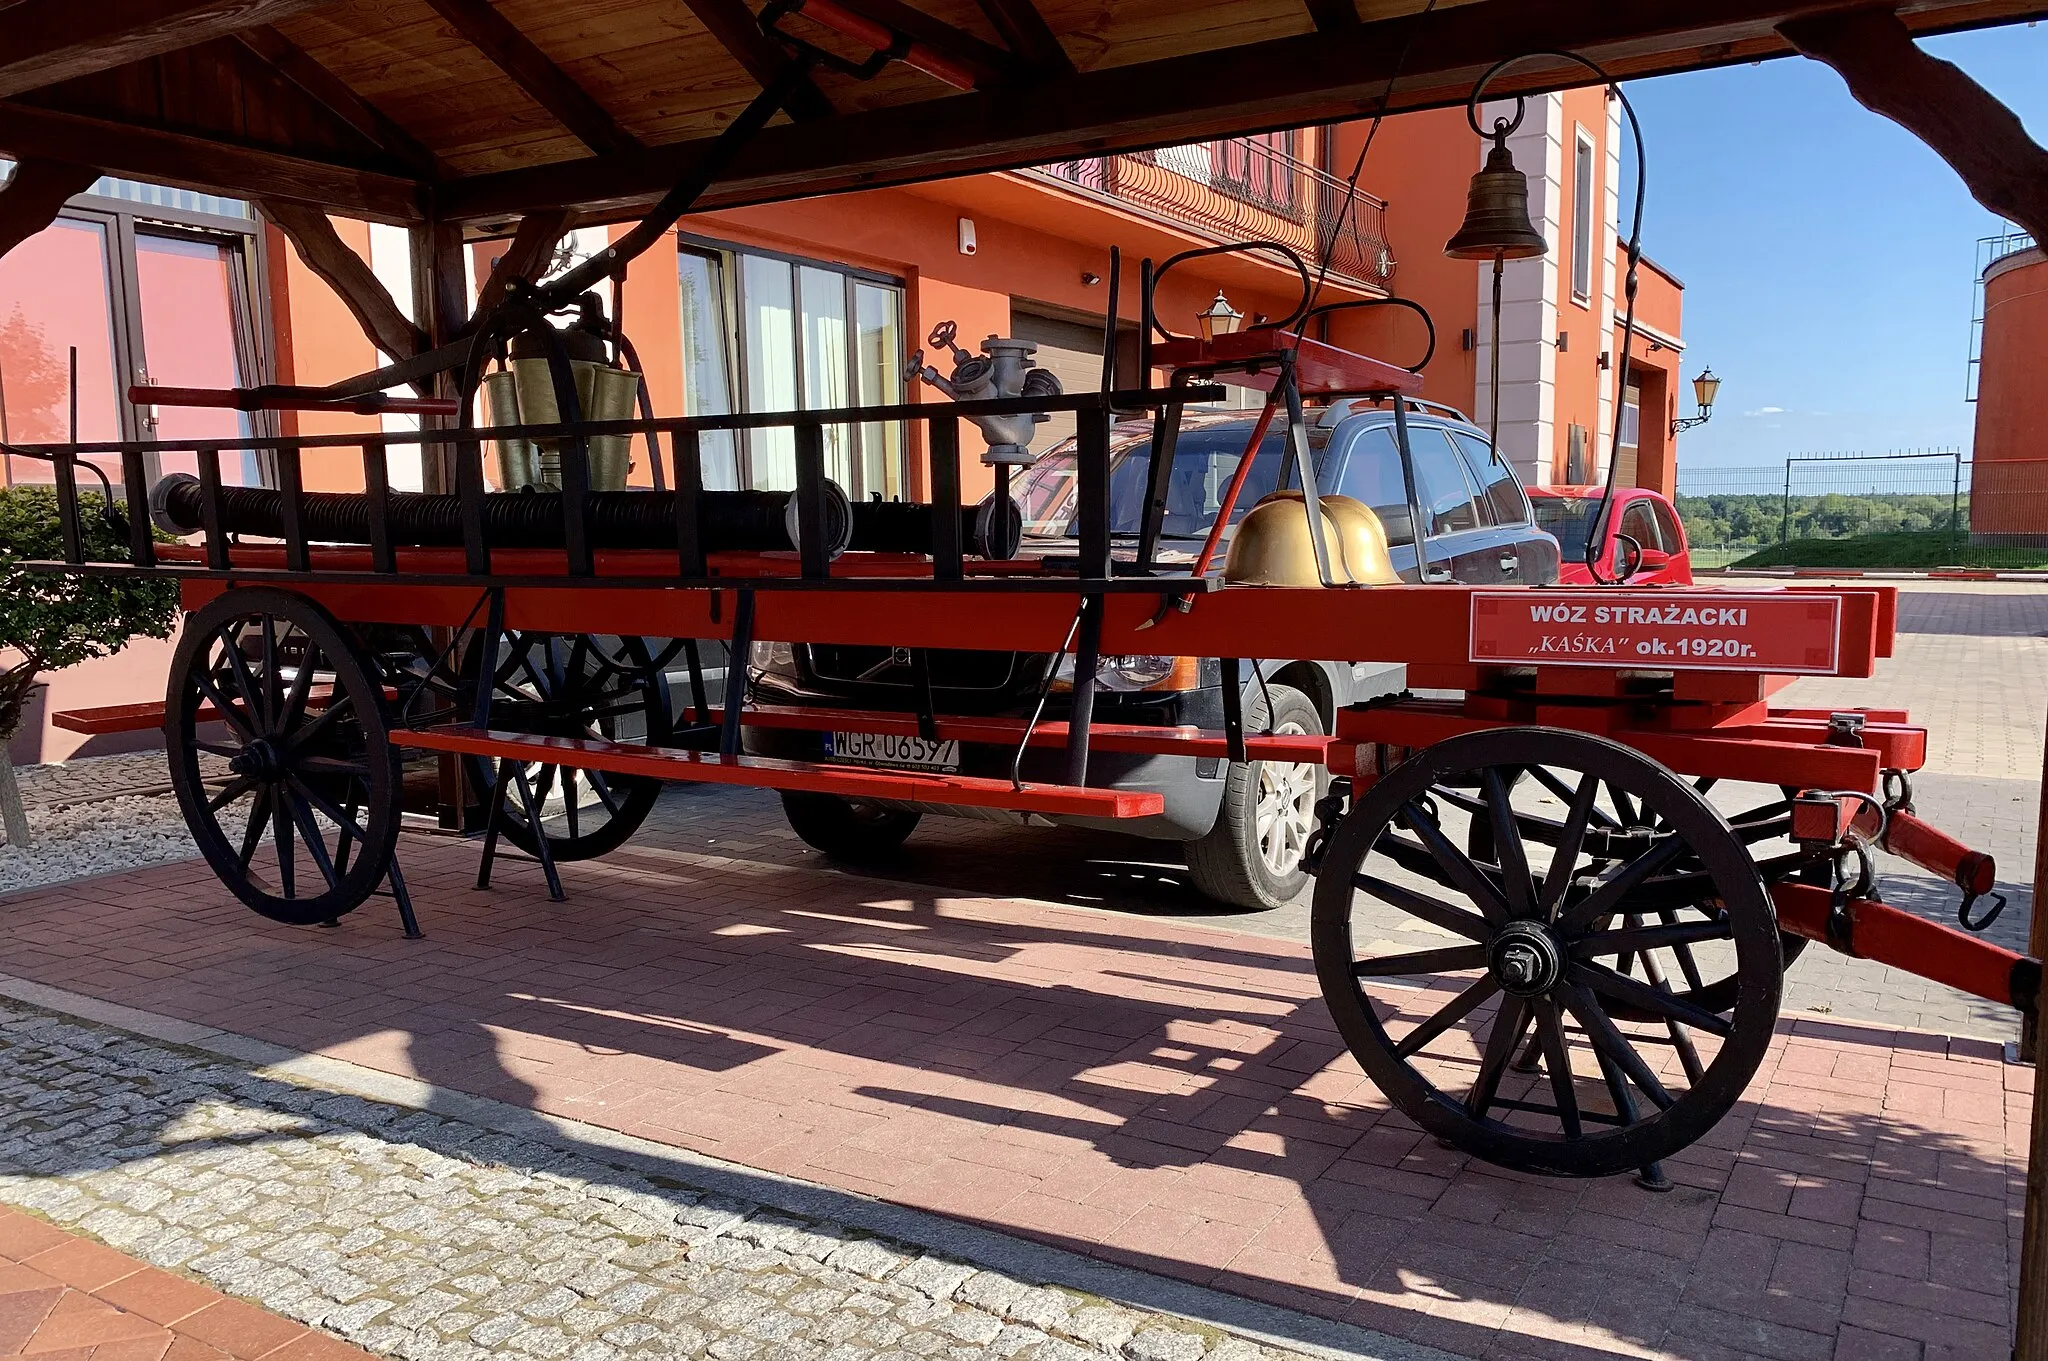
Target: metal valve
1003,369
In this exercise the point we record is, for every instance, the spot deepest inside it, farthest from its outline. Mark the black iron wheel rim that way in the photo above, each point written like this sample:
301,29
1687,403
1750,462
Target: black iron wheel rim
1649,1111
582,686
312,795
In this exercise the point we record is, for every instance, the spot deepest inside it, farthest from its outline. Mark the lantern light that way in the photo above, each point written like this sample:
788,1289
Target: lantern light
1219,318
1705,389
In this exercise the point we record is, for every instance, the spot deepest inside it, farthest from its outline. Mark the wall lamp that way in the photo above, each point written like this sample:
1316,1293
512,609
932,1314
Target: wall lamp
1705,389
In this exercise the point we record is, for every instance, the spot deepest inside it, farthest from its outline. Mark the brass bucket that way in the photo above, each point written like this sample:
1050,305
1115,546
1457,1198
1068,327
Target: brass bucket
604,394
518,460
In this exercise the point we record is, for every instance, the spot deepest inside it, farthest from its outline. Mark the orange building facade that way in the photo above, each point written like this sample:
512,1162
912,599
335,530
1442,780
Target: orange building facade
822,303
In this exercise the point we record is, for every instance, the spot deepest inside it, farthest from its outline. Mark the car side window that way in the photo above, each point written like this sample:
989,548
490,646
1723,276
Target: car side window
1496,480
1372,474
1638,524
1668,527
1440,482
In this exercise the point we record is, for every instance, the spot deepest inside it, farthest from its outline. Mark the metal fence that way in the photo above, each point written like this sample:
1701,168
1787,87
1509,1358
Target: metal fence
1909,509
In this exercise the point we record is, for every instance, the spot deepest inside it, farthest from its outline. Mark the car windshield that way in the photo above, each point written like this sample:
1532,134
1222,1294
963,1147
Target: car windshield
1568,519
1204,461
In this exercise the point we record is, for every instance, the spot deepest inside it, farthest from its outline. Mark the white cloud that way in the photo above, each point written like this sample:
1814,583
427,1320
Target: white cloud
1765,411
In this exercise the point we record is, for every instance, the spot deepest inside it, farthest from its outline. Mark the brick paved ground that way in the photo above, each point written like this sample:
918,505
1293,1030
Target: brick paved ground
67,1298
1153,1093
430,1239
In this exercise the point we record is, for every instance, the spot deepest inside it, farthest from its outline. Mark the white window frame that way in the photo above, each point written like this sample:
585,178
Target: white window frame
1585,189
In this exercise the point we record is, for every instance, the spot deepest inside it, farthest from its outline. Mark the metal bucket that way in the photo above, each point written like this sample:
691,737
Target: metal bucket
518,460
604,394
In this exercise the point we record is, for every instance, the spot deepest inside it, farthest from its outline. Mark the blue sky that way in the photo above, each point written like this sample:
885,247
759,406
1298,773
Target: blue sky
1827,254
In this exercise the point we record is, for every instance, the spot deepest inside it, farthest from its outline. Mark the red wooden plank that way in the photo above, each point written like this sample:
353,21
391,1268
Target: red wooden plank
1185,740
764,772
1322,368
1923,948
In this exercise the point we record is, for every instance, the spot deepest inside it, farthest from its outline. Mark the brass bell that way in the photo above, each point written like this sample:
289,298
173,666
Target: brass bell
1497,225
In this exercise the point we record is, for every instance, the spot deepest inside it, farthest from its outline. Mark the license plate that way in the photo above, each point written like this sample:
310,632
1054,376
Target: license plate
883,749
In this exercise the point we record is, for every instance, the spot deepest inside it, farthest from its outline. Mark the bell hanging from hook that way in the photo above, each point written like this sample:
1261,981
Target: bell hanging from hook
1497,225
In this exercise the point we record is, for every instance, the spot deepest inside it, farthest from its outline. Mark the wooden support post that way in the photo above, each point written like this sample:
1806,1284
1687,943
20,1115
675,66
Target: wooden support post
34,194
532,246
318,244
440,299
2032,1342
1982,140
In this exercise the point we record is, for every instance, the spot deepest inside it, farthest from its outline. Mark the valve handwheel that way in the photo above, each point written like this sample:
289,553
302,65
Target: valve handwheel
1569,937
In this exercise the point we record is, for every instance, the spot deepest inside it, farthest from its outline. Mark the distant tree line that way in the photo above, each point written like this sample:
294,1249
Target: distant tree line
1752,520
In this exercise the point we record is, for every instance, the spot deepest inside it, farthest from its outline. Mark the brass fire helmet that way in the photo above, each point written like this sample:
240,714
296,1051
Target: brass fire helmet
1272,546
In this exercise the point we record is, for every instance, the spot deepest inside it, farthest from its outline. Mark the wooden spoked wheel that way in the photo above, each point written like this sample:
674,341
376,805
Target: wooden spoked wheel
581,686
305,827
1571,944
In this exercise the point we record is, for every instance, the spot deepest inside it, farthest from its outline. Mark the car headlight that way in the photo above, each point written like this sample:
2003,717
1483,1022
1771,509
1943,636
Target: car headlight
1130,673
777,659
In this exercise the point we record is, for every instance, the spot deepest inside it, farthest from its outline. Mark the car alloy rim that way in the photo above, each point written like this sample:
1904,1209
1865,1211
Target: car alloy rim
1284,812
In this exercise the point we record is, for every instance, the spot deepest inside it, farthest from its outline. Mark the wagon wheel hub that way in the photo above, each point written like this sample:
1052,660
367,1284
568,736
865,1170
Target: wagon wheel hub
260,760
1524,960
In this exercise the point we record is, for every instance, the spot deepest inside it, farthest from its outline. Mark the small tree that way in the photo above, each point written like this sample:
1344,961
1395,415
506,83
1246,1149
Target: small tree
50,622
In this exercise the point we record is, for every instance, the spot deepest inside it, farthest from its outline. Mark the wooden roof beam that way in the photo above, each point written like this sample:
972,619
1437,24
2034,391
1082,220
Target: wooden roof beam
532,246
990,64
1256,87
327,89
739,33
1025,32
1332,16
1982,140
536,73
33,195
349,275
43,42
208,166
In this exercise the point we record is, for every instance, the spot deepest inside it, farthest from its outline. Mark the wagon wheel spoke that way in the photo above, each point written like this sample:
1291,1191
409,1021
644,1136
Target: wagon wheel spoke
1688,965
542,781
330,765
1456,865
1607,1039
1508,851
241,720
1608,896
1622,988
281,836
221,749
1456,1010
1556,786
1624,806
569,808
229,792
1432,910
337,708
309,831
1681,1040
1510,1023
1446,960
1565,861
344,820
1550,1030
268,680
259,820
602,788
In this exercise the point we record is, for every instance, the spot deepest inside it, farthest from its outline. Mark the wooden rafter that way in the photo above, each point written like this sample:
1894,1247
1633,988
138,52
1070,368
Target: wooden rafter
525,257
348,274
1026,33
328,90
990,64
1982,140
33,195
43,42
536,73
739,33
208,166
1332,16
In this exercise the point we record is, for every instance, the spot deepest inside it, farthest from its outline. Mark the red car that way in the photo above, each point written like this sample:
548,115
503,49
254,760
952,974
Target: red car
1642,515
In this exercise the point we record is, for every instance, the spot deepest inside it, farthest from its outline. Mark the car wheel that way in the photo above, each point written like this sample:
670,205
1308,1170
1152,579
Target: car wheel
847,829
1252,856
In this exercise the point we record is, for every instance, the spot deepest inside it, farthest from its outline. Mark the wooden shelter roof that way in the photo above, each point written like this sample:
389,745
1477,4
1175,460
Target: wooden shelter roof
479,111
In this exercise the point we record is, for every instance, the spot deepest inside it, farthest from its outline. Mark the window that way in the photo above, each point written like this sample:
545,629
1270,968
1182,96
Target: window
1440,483
1668,528
165,296
1373,475
1638,524
1496,481
1582,219
1631,416
791,335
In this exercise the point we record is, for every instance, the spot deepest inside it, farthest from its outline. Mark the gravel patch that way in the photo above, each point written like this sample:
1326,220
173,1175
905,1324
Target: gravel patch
104,836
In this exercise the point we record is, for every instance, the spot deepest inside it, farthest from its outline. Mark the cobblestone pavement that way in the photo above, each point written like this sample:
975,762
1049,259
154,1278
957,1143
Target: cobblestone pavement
430,1239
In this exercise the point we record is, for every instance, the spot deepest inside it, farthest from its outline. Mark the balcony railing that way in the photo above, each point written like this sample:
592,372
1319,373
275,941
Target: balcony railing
1242,188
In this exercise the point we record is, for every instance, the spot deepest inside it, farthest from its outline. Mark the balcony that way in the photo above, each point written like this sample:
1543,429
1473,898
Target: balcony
1239,189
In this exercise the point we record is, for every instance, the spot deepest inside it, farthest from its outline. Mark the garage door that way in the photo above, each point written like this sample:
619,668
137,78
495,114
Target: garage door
1071,349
